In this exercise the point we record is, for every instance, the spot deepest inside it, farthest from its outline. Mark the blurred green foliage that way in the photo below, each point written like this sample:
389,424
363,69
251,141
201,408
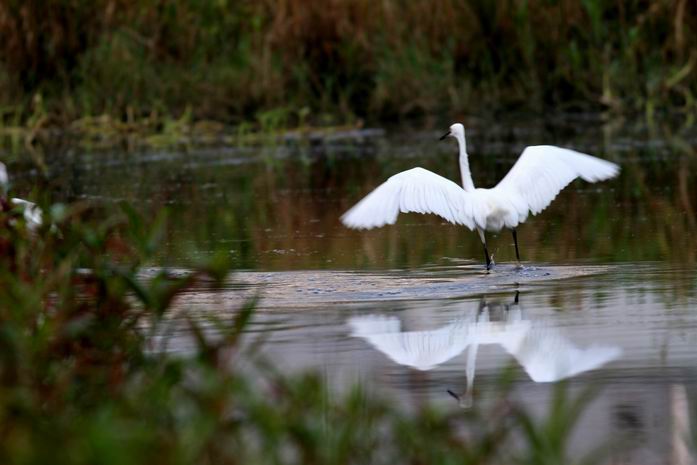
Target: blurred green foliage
141,63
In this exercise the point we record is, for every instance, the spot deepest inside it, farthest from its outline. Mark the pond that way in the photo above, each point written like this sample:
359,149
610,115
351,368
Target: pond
607,294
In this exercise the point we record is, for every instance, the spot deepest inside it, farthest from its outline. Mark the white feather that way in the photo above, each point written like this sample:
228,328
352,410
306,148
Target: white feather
542,171
415,190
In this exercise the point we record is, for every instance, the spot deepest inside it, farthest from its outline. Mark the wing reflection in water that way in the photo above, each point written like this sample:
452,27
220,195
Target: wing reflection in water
542,350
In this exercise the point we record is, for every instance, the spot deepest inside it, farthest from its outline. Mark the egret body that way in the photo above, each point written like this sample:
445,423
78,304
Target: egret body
540,173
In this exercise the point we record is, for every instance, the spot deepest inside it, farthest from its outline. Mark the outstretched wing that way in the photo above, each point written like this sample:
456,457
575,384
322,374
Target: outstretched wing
415,190
542,171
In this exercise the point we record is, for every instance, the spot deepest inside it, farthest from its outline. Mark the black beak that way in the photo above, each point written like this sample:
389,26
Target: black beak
444,135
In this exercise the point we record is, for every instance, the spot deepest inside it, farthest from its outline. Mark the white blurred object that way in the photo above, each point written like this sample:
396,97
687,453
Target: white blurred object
32,213
4,180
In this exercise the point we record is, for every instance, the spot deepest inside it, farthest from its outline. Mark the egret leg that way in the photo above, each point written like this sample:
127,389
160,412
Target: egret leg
482,236
515,241
488,258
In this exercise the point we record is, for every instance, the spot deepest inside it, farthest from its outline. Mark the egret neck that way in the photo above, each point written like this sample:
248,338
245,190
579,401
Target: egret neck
467,183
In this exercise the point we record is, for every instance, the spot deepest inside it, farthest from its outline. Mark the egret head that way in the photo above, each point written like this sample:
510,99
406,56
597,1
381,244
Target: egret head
456,130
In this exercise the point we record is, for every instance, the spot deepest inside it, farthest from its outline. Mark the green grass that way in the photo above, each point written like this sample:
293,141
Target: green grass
143,65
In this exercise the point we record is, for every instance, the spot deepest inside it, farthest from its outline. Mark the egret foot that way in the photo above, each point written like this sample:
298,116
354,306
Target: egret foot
490,263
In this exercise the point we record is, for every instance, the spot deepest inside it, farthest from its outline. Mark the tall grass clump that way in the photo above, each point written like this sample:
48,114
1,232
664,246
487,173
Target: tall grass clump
231,61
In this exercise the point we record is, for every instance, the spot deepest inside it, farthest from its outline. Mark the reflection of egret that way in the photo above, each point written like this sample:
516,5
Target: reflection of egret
537,177
542,350
422,350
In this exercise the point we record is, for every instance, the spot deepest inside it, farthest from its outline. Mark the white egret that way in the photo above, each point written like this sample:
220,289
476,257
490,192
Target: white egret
540,173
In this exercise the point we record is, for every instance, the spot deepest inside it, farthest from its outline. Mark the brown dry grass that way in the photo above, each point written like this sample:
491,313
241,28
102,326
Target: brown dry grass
232,60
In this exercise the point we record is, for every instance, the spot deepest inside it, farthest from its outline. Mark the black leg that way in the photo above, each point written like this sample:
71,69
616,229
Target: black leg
515,240
488,258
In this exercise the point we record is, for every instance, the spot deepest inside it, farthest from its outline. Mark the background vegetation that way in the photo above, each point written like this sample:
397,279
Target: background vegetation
287,62
85,371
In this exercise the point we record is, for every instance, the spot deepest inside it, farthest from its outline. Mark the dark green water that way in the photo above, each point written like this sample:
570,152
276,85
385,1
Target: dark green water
608,295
